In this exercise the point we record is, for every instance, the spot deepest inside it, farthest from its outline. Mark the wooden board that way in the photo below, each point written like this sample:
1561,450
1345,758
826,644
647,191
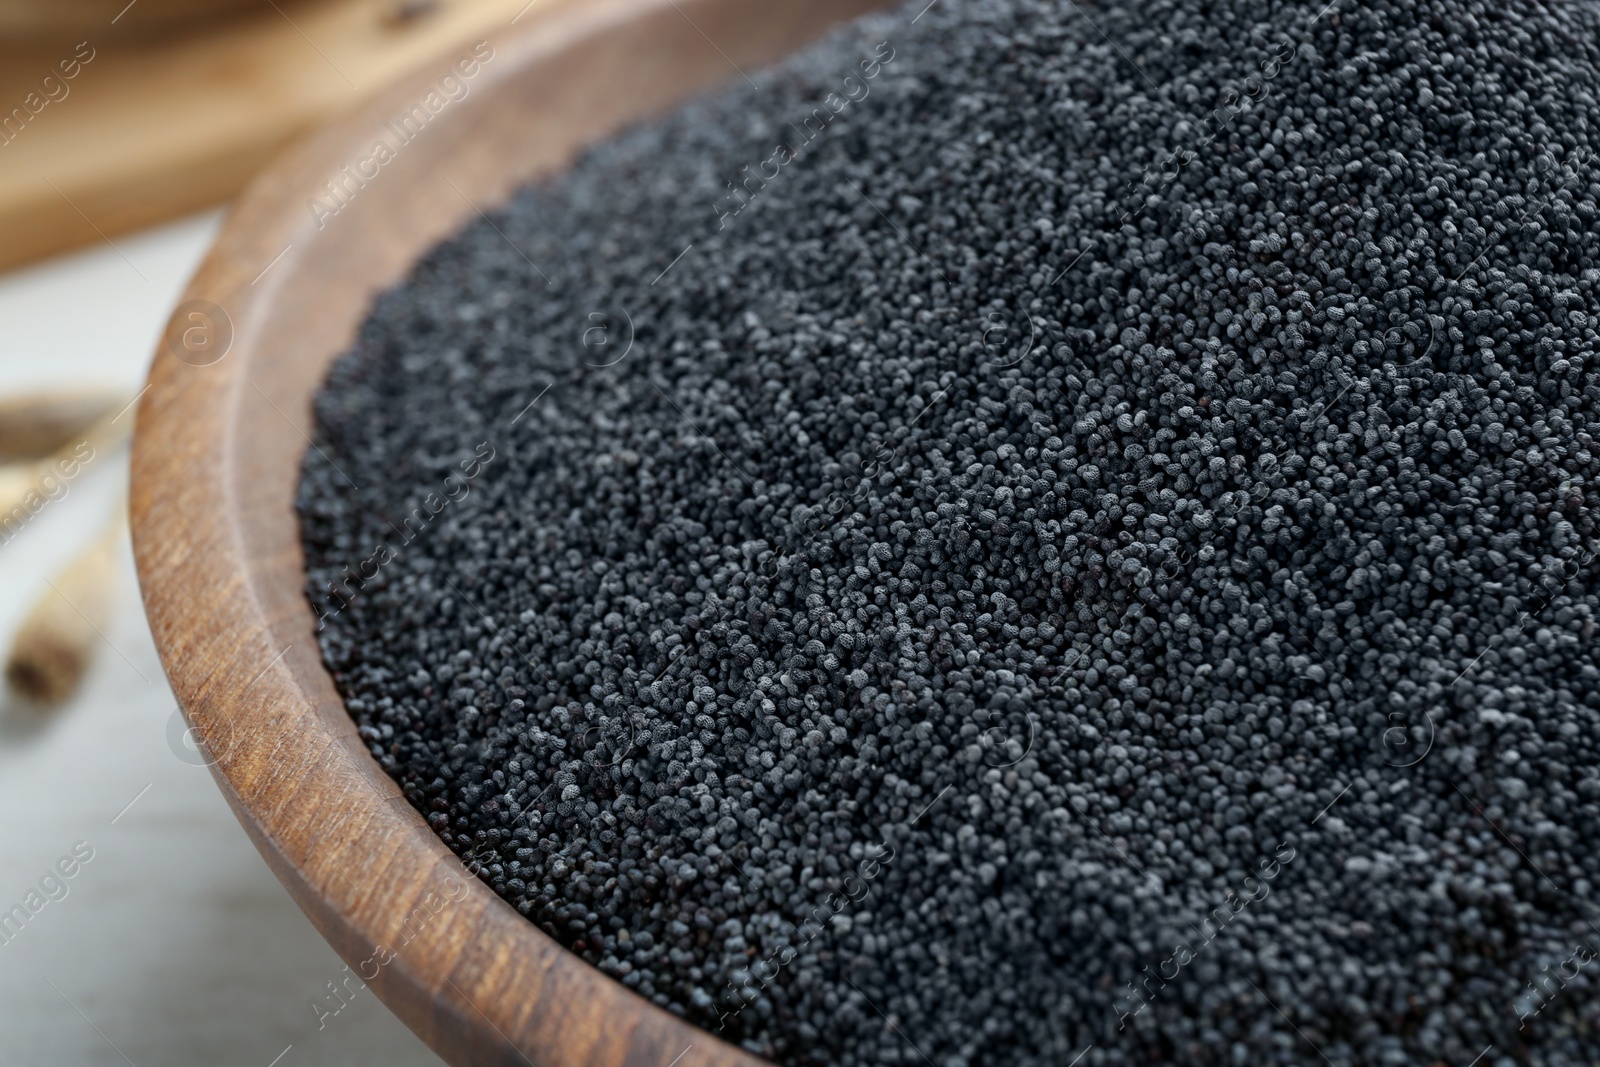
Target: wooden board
221,433
75,18
152,127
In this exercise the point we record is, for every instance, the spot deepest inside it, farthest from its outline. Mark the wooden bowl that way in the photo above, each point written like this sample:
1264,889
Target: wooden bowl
221,432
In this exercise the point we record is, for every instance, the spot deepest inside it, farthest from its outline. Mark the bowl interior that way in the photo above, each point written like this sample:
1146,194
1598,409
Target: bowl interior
222,430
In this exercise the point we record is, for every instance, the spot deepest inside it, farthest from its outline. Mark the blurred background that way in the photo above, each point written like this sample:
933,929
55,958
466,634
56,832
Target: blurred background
138,925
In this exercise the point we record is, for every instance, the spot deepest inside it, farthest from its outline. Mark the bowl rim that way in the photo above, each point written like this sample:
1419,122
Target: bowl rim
216,539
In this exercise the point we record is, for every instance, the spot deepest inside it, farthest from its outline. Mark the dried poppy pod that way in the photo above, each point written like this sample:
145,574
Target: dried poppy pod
56,643
36,425
29,487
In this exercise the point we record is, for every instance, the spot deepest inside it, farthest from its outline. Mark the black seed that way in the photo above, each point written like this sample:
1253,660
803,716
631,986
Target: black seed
979,545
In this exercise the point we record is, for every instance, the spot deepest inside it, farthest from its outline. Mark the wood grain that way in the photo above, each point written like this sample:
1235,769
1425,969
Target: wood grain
221,433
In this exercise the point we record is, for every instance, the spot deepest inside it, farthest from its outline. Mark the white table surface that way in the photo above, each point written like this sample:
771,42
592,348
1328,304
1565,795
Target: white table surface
174,945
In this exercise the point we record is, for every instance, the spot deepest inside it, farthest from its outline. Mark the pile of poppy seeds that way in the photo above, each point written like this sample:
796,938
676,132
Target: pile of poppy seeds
1027,534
